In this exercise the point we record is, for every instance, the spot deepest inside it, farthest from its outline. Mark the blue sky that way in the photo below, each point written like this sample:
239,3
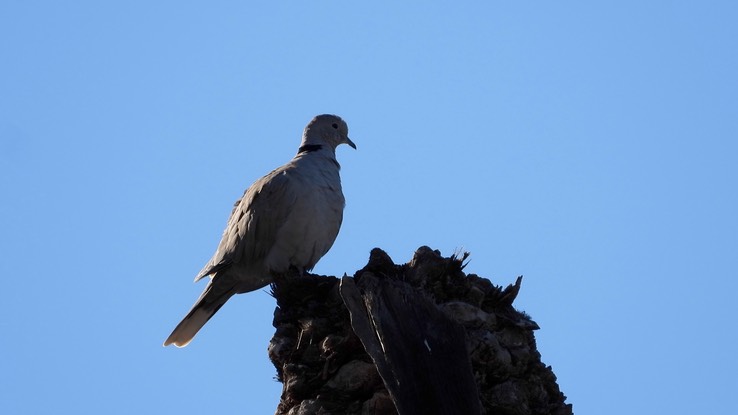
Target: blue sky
590,147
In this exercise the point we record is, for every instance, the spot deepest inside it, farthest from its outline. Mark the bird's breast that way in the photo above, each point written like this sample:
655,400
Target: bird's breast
314,219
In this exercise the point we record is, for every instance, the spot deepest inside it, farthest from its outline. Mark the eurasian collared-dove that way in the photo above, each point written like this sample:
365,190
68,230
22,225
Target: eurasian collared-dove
287,219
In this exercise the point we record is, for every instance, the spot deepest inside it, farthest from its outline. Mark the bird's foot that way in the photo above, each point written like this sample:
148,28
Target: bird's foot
291,274
296,271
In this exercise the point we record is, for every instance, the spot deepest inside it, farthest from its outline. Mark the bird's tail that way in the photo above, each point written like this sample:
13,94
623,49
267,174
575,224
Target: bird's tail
210,301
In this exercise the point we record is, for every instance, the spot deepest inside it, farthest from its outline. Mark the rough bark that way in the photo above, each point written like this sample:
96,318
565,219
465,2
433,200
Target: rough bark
423,337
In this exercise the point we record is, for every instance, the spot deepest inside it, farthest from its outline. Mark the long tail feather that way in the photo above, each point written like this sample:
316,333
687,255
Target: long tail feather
210,301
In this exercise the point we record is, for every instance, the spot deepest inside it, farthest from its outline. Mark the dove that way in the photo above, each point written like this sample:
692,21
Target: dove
286,220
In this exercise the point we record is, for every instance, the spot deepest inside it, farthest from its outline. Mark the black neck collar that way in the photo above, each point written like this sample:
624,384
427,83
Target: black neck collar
309,148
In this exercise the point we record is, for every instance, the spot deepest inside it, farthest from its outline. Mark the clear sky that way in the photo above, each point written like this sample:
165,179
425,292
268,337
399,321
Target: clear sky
590,146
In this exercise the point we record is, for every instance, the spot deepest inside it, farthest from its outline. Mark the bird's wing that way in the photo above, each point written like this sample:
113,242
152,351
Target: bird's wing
255,220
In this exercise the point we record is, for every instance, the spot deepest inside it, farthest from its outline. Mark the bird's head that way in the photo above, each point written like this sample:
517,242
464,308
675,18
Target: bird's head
327,130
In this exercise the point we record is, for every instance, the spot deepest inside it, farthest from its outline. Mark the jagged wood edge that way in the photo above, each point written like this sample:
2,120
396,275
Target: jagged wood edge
419,352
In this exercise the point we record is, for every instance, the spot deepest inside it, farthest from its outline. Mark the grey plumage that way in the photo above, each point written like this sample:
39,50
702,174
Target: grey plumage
288,218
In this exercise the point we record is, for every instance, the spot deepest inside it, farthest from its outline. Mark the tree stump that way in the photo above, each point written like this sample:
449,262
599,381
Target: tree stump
417,338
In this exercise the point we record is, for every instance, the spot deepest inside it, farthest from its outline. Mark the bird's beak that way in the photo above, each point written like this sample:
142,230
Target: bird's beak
351,143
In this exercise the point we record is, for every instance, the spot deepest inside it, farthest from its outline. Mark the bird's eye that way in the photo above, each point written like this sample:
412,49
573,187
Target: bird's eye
334,125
